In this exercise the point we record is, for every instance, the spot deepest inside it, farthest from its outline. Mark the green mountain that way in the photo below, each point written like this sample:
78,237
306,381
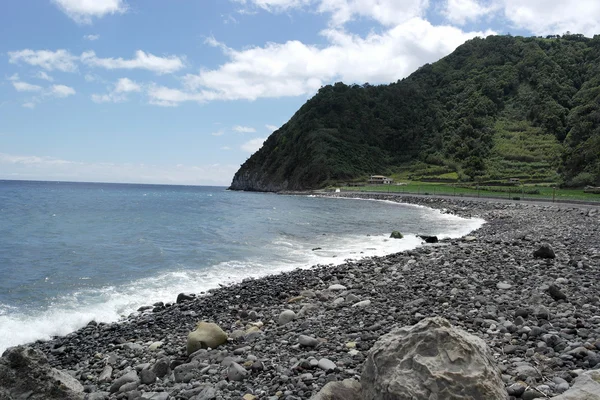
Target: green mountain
495,108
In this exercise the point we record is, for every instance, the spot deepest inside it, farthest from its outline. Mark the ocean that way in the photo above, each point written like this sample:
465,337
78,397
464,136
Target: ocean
75,252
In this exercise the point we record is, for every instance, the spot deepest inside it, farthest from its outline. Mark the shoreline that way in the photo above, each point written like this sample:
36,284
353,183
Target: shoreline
487,283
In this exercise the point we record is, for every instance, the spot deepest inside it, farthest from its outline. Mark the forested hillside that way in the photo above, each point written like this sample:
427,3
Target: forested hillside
495,108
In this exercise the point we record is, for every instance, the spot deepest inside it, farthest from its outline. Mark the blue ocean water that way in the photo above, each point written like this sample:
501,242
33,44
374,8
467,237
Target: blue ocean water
73,252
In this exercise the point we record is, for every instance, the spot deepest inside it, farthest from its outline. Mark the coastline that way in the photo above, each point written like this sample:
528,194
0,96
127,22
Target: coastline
458,279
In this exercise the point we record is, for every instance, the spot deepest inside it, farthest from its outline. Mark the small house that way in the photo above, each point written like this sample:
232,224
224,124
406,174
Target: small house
380,180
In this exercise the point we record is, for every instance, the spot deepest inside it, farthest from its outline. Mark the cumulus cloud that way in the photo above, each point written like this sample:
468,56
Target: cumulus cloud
50,168
141,60
253,145
294,68
243,129
539,17
118,92
544,17
91,37
25,87
462,11
61,91
60,60
271,128
386,12
82,11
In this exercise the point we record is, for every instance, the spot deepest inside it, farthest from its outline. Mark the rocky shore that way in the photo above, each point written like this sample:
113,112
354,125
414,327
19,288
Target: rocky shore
290,334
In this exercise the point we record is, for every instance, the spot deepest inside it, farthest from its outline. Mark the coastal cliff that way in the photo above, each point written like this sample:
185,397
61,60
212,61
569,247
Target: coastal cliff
496,108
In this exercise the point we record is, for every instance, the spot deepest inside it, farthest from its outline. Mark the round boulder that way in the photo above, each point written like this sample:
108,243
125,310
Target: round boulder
286,316
431,360
206,335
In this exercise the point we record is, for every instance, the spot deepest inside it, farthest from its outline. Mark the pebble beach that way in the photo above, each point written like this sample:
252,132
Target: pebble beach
292,333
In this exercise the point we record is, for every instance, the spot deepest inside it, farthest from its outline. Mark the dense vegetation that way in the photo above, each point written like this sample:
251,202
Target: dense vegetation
495,108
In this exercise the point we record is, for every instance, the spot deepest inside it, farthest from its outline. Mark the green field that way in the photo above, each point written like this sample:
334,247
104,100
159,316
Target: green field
507,192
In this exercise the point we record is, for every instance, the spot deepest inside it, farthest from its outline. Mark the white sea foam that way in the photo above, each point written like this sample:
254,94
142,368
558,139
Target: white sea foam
70,312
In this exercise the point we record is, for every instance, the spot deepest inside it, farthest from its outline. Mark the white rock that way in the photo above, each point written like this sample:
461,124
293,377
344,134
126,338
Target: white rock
585,387
326,364
286,316
337,286
431,360
364,303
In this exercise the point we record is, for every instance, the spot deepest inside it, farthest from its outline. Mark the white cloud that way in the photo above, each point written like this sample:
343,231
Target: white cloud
91,37
544,17
126,85
167,97
253,145
225,148
462,11
82,11
118,92
271,128
539,17
44,76
386,12
243,129
25,87
297,69
60,60
50,168
218,133
142,60
275,5
61,91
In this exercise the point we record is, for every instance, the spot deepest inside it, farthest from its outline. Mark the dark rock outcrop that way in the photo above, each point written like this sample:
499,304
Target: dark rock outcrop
545,251
26,374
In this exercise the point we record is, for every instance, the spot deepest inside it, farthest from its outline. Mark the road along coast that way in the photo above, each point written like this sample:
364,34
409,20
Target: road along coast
292,333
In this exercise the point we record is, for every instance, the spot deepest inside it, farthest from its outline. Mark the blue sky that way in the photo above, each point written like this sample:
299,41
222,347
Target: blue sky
184,91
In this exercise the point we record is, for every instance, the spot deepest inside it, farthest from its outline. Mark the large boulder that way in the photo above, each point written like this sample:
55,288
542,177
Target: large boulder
26,374
206,335
585,387
431,360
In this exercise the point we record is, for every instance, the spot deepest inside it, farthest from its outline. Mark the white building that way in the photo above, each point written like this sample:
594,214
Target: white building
380,180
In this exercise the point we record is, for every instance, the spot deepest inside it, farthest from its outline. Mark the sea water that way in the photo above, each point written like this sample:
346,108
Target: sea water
75,252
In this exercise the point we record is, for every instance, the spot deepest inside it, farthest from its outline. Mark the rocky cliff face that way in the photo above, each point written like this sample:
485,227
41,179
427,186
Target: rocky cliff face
256,181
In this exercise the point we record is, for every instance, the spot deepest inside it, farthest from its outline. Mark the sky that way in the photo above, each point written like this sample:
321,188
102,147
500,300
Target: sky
184,91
